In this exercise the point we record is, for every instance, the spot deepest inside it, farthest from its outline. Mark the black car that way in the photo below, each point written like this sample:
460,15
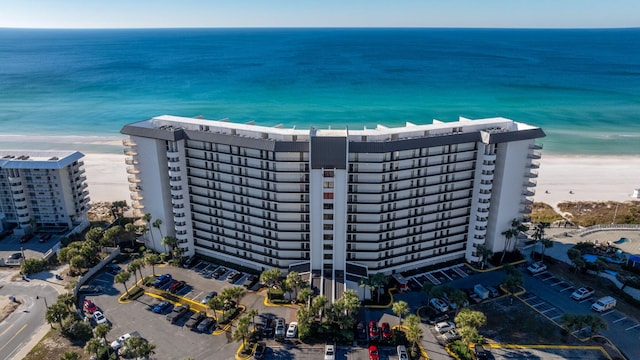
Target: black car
219,273
233,277
261,348
206,324
177,313
195,319
113,269
250,281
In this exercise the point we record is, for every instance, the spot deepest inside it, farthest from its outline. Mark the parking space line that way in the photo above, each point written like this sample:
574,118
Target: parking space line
622,318
632,327
556,317
538,304
200,293
460,272
557,283
608,312
546,311
103,281
445,275
567,288
585,300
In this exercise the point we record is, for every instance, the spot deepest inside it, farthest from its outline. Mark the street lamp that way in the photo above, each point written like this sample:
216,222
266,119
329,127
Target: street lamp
45,301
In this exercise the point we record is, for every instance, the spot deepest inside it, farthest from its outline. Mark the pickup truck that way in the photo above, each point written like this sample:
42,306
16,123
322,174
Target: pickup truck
582,293
195,319
177,313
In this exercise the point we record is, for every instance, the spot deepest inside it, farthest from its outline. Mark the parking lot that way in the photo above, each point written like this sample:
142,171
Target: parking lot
32,248
176,341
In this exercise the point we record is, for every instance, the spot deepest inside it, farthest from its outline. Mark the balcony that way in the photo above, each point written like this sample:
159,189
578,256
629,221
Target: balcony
486,176
134,187
175,172
484,195
130,152
138,213
181,236
176,191
133,179
180,228
485,185
533,165
132,170
136,196
529,183
175,181
481,222
526,210
527,192
489,157
535,146
137,205
178,203
131,161
526,202
531,174
173,161
534,155
128,142
173,154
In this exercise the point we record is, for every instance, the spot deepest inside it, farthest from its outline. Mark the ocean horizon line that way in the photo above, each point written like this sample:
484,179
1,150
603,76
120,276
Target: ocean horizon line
328,28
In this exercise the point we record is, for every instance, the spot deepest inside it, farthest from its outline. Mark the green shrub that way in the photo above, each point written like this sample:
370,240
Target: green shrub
460,349
229,316
280,301
148,280
134,294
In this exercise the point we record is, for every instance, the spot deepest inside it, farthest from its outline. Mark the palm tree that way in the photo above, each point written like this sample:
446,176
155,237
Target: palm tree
317,306
101,331
270,278
56,313
235,293
242,330
252,314
484,253
293,281
122,278
67,299
156,224
133,267
400,308
546,243
364,283
414,332
93,346
147,218
70,355
304,295
516,228
152,259
171,242
379,280
215,303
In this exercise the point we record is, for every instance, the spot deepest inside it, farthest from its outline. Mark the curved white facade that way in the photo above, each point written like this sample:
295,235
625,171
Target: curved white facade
338,203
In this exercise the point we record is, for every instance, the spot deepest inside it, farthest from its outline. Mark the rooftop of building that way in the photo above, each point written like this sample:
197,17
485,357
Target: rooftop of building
381,133
24,159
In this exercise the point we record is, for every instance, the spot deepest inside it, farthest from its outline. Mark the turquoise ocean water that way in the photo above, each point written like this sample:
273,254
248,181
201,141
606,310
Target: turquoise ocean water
581,86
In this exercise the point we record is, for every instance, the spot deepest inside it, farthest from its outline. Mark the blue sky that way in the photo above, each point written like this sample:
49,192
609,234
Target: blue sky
319,13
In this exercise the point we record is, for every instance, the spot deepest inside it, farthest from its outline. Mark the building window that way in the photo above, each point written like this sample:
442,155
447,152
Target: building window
329,216
328,173
327,226
328,195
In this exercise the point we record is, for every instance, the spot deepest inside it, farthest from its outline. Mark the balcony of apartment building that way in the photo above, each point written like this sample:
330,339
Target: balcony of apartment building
138,213
535,146
176,191
529,183
128,143
484,194
131,161
175,171
134,187
133,179
528,192
525,210
533,165
173,161
486,185
526,202
531,174
175,181
181,226
136,196
486,175
137,205
130,152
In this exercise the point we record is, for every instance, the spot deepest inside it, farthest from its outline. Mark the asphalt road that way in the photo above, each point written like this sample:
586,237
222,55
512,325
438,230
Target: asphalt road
22,325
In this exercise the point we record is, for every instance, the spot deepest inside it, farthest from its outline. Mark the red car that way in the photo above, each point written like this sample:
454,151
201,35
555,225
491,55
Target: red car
374,331
89,306
386,330
176,286
373,353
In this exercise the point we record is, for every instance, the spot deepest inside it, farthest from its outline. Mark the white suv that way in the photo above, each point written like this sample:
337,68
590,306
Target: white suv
292,331
536,268
329,352
439,304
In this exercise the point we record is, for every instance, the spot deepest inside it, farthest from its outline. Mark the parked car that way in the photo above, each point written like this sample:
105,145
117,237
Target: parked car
219,272
373,353
402,352
177,313
206,324
537,268
99,318
451,335
292,331
439,304
279,332
582,293
233,277
386,330
113,269
444,326
250,281
208,297
195,319
261,348
90,289
117,343
604,304
26,237
15,256
493,291
162,280
374,331
176,286
161,307
45,237
480,352
329,352
89,306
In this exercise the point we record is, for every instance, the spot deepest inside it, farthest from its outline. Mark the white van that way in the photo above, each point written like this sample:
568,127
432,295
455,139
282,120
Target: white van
604,304
402,352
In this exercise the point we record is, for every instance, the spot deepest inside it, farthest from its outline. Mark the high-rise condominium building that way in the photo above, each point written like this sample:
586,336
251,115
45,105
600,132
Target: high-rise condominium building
42,189
339,204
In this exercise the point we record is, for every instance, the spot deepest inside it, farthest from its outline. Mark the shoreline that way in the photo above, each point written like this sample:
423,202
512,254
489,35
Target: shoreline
561,177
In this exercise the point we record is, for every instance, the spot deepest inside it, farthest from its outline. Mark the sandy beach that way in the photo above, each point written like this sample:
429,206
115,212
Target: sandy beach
561,178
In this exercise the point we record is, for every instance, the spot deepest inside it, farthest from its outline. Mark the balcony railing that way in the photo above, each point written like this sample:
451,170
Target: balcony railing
128,142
